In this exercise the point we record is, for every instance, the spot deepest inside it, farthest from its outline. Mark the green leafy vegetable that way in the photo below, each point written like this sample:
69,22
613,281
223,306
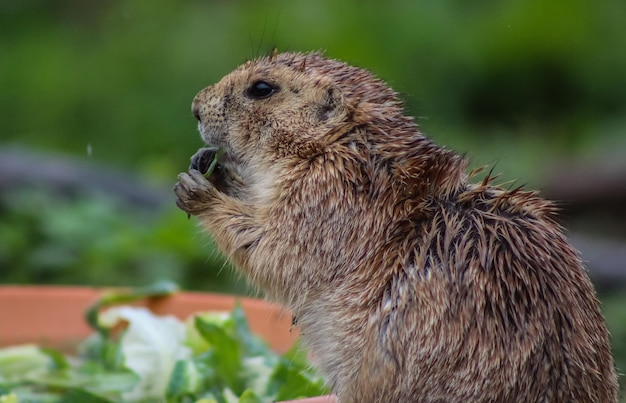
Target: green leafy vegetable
22,362
248,396
136,356
113,297
184,381
213,164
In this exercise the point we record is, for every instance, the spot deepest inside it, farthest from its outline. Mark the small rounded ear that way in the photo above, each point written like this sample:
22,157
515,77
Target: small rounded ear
331,103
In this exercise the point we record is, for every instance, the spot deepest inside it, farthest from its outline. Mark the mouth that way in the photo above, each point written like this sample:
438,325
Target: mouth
217,154
210,135
206,160
212,159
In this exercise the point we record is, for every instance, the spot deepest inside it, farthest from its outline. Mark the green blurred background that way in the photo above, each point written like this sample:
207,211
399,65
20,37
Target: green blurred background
95,118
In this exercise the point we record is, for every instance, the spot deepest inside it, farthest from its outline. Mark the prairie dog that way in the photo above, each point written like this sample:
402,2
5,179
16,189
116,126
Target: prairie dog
409,282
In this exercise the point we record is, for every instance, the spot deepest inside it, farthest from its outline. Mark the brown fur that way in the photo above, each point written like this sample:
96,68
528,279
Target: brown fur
409,283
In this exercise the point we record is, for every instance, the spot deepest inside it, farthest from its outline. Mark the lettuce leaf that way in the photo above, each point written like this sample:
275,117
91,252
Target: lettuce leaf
137,356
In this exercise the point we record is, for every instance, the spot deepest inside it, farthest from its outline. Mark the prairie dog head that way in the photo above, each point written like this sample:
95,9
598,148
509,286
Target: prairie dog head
284,105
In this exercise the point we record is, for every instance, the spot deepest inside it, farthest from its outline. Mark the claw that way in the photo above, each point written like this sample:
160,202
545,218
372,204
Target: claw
194,192
197,176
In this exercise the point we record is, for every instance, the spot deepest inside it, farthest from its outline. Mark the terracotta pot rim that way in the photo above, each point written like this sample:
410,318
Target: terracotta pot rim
56,313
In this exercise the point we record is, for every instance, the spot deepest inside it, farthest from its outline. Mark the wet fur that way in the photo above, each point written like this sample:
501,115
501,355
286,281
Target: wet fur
409,282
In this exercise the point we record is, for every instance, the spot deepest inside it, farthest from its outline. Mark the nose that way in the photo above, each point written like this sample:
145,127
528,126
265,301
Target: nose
198,101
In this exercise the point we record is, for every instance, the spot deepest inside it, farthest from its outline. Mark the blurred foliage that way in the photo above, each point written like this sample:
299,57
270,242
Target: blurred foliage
92,239
613,309
518,82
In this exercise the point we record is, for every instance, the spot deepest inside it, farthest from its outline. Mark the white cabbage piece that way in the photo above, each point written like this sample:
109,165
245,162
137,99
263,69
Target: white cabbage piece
151,345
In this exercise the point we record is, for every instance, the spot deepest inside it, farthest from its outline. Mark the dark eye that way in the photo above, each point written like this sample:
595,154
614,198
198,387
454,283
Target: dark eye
261,90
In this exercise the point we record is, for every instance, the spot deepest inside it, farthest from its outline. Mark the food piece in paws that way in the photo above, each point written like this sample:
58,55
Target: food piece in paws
205,160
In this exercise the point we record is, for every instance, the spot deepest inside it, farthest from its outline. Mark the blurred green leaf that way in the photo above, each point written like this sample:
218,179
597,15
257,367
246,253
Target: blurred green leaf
293,378
226,352
248,396
8,398
25,361
184,381
120,296
82,396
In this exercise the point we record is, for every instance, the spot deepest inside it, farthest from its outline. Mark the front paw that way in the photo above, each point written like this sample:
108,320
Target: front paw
194,192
